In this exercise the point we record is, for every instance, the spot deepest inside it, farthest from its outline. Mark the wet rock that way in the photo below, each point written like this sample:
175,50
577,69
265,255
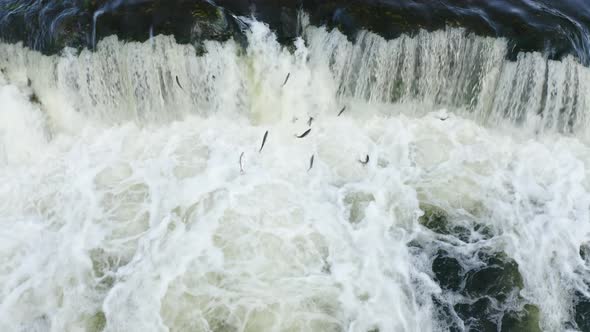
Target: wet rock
462,233
435,219
482,291
50,25
415,244
210,23
187,21
483,232
482,288
72,24
582,311
448,271
440,222
289,24
498,278
478,316
585,252
445,315
526,320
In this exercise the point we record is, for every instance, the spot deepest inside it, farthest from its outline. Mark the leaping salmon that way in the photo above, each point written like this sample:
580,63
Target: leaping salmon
286,79
242,163
178,82
263,141
366,161
304,134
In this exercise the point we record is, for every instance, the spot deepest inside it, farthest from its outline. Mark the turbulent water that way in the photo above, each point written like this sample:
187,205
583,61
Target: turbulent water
123,206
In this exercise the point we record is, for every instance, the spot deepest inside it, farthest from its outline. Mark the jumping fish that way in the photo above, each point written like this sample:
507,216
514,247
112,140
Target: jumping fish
286,79
310,163
304,134
242,163
341,111
366,161
178,82
310,121
263,141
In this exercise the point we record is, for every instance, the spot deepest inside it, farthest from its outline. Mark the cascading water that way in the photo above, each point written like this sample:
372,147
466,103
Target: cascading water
123,208
95,17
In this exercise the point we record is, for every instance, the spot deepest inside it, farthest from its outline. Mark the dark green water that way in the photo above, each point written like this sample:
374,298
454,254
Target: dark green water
556,28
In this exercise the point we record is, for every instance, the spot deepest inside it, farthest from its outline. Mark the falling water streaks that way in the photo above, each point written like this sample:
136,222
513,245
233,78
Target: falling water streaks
94,20
464,73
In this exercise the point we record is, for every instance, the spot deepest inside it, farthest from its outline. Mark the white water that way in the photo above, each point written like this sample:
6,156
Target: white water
122,202
94,21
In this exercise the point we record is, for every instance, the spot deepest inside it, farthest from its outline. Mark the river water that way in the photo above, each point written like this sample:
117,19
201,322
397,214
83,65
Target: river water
125,204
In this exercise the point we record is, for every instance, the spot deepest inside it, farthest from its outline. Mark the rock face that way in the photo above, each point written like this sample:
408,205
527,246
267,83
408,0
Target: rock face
480,287
448,271
50,25
497,279
582,311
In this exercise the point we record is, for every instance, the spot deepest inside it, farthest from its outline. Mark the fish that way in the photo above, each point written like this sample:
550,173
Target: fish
341,111
178,82
242,163
263,141
443,119
366,161
304,134
286,79
310,162
310,121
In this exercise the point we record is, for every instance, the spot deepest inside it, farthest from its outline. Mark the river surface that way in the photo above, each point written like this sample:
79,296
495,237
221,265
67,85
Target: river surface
158,183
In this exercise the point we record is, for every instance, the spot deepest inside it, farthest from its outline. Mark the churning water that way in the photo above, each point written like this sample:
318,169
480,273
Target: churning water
123,207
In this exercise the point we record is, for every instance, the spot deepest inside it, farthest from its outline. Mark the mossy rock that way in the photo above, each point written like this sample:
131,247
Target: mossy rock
448,271
96,323
484,231
478,315
484,290
526,320
435,219
498,278
438,221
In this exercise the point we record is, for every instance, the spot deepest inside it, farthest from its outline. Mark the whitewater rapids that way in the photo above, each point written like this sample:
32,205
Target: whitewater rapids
123,208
